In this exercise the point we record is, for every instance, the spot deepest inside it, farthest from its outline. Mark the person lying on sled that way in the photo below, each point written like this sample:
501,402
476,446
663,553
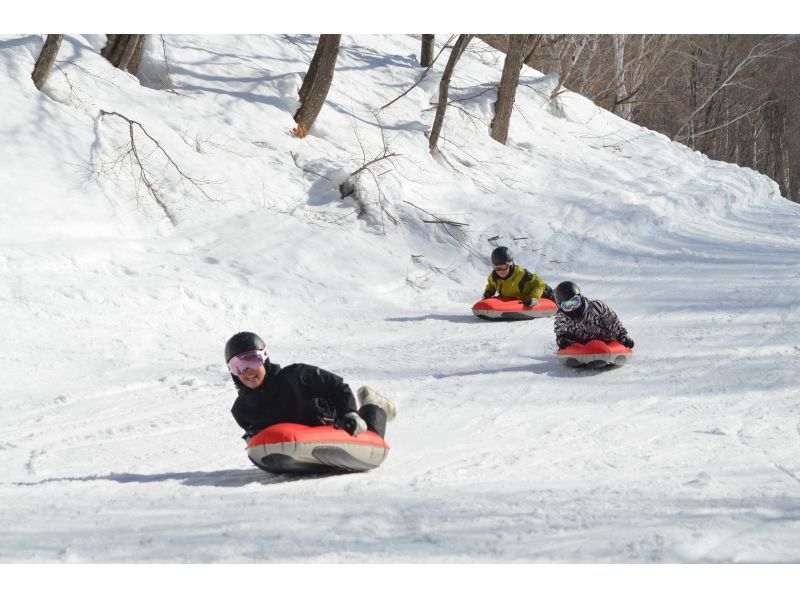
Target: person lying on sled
298,393
514,282
580,320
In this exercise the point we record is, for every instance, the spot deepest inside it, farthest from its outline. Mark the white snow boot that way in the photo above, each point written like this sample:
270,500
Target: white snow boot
369,396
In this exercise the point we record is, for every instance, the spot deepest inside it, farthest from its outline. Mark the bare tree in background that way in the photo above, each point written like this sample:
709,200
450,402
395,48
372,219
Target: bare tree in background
734,97
618,44
444,86
47,58
317,82
568,62
124,51
518,48
426,53
776,156
618,72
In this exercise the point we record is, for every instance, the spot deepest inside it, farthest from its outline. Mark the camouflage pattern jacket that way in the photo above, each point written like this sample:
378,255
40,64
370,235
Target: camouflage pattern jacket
597,322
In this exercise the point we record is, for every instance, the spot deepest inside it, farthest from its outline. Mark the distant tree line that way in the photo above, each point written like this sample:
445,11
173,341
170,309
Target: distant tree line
735,98
732,97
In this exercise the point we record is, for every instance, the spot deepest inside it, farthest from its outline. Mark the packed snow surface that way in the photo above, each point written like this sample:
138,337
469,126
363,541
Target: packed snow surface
116,440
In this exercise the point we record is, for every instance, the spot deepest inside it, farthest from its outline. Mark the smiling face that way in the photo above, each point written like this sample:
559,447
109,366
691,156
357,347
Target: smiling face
253,377
249,367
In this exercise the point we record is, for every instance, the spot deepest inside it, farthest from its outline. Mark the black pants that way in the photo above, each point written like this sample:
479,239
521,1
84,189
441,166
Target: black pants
375,418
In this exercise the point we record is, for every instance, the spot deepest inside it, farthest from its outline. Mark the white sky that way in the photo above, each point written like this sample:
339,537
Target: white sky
365,16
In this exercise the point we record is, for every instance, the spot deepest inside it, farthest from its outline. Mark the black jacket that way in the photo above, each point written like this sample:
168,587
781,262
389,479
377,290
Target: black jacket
299,393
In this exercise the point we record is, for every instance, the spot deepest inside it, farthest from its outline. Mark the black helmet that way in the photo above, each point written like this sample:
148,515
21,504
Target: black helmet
502,255
566,291
242,342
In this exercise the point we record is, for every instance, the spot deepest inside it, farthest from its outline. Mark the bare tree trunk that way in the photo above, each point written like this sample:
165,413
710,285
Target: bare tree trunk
518,47
537,40
565,69
426,54
124,51
775,124
132,48
115,44
619,76
317,81
500,42
444,86
47,58
311,73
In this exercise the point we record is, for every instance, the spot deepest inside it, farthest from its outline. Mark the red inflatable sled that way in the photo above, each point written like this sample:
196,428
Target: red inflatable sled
500,308
295,448
594,353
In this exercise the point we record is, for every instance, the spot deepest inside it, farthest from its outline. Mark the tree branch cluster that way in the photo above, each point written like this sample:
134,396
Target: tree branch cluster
735,98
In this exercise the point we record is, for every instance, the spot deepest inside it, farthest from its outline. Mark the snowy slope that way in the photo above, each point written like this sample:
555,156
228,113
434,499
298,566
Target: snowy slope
116,442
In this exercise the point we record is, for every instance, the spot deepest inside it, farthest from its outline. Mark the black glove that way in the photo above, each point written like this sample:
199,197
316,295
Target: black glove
351,423
626,341
527,302
488,294
563,342
249,434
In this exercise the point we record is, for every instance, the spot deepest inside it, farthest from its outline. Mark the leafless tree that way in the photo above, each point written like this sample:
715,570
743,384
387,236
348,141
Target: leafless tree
353,188
444,86
618,44
422,76
568,63
732,96
317,81
124,51
47,58
426,53
136,155
519,46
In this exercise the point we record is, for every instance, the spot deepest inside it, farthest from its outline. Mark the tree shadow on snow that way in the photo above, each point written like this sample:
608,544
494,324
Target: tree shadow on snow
225,478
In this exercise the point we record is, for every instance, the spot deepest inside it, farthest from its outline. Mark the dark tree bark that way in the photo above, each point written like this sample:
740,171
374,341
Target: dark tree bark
124,51
518,47
318,80
311,73
501,41
47,58
113,48
426,54
776,166
444,86
132,55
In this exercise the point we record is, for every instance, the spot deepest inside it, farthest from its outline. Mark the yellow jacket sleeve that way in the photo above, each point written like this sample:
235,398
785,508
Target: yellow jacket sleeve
491,287
534,287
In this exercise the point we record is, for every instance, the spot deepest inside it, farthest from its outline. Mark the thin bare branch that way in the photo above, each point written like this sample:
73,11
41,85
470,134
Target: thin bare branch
422,77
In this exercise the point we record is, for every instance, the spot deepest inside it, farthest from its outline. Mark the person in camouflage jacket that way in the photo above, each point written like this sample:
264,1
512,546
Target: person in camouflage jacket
511,281
580,319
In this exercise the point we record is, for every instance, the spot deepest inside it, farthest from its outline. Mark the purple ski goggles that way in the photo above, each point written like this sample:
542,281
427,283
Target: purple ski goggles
571,304
251,360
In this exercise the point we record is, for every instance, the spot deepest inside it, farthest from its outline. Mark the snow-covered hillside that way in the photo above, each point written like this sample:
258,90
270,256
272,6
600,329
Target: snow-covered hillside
116,441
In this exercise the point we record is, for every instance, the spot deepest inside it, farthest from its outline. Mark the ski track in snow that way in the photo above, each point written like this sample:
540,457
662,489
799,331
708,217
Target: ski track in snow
116,442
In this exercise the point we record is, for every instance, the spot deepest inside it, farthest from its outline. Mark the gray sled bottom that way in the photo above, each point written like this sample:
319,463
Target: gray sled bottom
330,459
592,361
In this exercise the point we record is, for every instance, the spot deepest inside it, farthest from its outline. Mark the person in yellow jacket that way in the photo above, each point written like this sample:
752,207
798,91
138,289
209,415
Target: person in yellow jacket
512,281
